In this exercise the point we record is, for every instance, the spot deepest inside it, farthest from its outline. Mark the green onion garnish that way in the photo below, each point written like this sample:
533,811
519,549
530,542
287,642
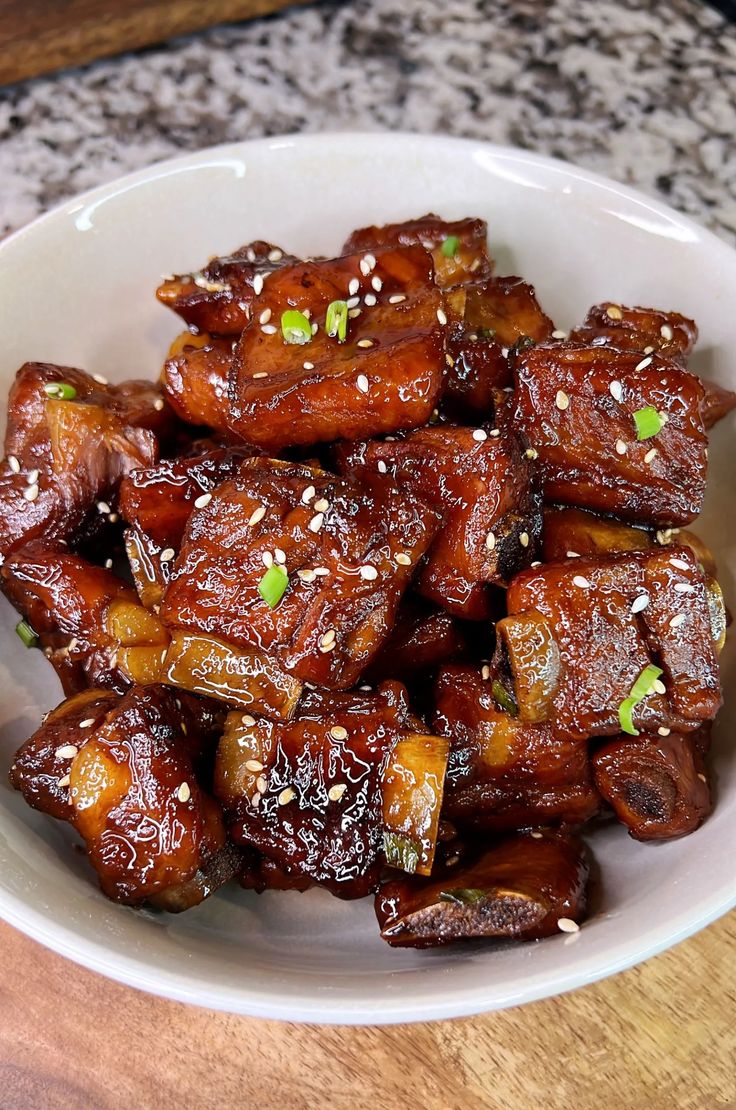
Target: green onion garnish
295,327
400,852
648,422
336,321
272,586
61,391
463,896
450,245
26,633
504,698
643,686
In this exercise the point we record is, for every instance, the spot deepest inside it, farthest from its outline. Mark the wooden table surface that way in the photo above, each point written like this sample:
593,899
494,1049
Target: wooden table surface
659,1037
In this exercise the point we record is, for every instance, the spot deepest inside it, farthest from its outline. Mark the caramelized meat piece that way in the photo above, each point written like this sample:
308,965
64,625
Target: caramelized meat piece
717,403
655,783
195,379
524,888
580,633
638,329
260,873
476,369
69,441
348,554
218,298
422,639
507,309
41,766
214,871
583,408
383,374
89,623
459,248
147,824
504,773
482,484
325,795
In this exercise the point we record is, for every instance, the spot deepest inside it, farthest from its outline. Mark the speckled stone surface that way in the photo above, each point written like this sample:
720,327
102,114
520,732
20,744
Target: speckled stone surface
643,92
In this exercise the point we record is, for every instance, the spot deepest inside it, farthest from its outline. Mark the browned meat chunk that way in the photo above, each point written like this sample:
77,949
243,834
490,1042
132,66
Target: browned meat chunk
524,888
422,639
717,403
507,309
476,370
582,633
218,298
195,380
638,329
614,432
656,783
459,248
293,383
347,556
504,773
482,483
336,791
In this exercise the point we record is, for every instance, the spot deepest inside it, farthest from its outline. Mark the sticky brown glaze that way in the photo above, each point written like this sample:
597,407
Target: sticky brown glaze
468,262
638,329
502,772
194,379
476,369
41,766
147,825
657,785
260,873
519,889
422,639
385,376
349,554
483,485
322,796
218,297
566,408
65,458
574,649
89,622
507,309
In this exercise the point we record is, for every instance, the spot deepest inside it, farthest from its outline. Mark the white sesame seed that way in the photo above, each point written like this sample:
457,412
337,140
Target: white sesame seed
167,555
666,332
322,505
258,284
32,477
316,522
702,777
308,494
67,751
362,383
485,672
368,572
370,299
257,515
260,374
677,620
644,363
648,350
64,781
321,572
616,390
308,365
354,312
352,302
651,455
621,447
265,316
562,400
336,792
382,468
327,642
664,731
261,784
275,255
103,508
583,583
377,283
370,261
679,563
113,518
490,541
31,492
365,343
14,464
306,575
536,564
253,765
184,792
248,721
684,588
639,603
99,379
566,924
524,539
287,796
495,433
337,732
479,435
203,500
353,286
267,559
614,312
87,723
108,564
403,560
531,453
659,687
559,334
279,556
269,329
441,316
664,536
158,404
396,298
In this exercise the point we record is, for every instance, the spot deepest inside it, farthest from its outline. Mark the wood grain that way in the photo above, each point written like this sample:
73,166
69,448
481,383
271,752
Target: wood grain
40,35
659,1037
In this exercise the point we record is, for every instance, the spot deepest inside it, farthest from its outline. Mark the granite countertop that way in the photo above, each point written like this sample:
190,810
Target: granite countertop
643,93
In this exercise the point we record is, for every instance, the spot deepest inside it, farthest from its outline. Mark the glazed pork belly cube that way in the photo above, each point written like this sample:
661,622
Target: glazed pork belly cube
482,484
70,438
194,380
218,297
638,329
594,646
717,402
157,503
422,639
477,369
615,432
656,783
505,309
332,795
293,562
293,383
89,623
523,888
504,773
459,248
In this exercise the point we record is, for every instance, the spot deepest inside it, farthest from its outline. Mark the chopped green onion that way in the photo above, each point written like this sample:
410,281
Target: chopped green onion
643,686
272,586
463,896
61,391
648,422
336,322
504,698
450,245
295,327
400,852
27,634
485,333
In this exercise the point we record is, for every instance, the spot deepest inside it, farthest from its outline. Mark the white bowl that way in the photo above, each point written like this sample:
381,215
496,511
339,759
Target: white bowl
77,288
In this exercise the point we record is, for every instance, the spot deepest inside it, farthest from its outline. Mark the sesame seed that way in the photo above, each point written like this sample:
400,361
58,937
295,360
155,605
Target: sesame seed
256,800
31,492
279,555
648,350
167,555
103,508
396,298
287,796
559,334
664,537
368,572
677,620
67,751
352,302
370,299
113,518
267,559
354,312
64,781
485,672
353,286
616,390
490,541
666,332
365,343
403,560
621,447
248,720
377,283
495,433
536,564
308,365
306,575
202,500
531,453
14,464
382,468
257,515
583,583
566,924
108,564
87,723
613,312
260,374
327,641
664,731
275,255
258,284
261,784
651,454
316,522
32,477
659,687
562,400
184,792
479,435
644,363
524,539
265,316
336,792
253,765
639,603
158,404
99,379
308,494
702,777
362,383
441,317
269,329
337,732
684,588
679,563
